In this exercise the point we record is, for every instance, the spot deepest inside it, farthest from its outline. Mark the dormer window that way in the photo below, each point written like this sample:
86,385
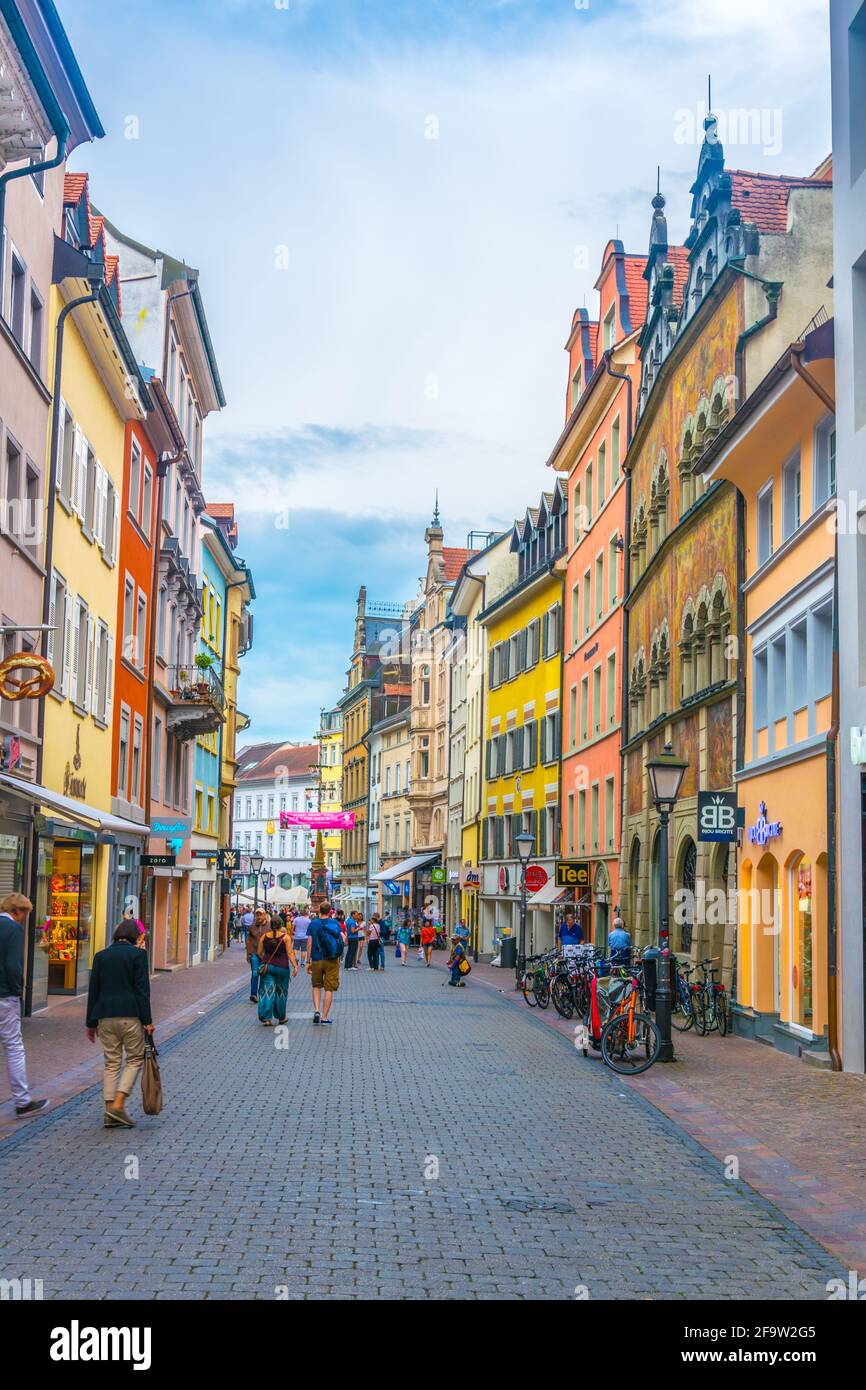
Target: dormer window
576,387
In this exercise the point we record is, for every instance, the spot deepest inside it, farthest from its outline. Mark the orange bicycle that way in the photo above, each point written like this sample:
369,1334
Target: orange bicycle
630,1039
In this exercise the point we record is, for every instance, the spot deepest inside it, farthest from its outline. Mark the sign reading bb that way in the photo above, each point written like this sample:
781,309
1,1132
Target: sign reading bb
717,816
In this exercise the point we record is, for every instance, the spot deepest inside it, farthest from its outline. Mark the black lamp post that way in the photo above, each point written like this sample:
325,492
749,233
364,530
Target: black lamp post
525,844
666,773
256,862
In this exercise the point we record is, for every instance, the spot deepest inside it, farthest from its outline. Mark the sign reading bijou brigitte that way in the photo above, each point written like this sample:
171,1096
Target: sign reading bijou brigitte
318,820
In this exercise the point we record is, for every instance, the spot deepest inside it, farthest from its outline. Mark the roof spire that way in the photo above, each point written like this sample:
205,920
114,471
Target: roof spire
436,521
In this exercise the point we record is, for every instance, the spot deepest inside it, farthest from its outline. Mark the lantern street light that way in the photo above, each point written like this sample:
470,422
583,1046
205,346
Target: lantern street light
256,862
666,773
524,844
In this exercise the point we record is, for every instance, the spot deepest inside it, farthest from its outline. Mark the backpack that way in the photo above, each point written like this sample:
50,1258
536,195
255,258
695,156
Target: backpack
331,942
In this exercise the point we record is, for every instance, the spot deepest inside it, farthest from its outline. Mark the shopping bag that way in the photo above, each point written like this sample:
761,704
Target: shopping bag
151,1081
397,952
463,966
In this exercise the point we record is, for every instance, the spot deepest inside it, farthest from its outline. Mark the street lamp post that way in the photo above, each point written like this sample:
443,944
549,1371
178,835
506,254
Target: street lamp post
256,862
666,773
525,844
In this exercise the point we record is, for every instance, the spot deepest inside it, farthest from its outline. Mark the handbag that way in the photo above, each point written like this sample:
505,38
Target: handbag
463,966
151,1081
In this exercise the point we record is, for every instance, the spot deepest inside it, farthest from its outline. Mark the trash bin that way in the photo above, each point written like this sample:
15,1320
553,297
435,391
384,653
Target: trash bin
508,952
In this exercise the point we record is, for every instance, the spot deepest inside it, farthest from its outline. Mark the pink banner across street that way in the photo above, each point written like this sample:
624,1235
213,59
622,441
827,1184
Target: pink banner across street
318,820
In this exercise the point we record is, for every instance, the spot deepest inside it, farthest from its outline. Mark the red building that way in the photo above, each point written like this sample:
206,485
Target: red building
603,376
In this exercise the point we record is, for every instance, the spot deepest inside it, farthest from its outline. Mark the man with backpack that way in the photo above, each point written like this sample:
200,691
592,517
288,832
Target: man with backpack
325,946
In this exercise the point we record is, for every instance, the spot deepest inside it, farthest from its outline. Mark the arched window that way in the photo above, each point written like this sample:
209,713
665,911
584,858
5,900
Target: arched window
637,695
687,665
634,887
425,685
688,879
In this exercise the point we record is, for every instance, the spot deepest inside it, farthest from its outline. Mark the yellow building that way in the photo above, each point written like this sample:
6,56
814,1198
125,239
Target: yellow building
780,452
484,576
522,724
330,739
101,389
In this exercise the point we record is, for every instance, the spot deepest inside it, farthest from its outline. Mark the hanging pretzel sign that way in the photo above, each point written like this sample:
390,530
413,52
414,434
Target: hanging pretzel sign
32,686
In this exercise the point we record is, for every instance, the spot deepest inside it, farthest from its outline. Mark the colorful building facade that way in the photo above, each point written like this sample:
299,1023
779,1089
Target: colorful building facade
779,450
522,724
589,454
756,251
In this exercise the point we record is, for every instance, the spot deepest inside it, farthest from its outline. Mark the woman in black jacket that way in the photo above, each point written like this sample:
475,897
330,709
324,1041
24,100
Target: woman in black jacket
118,1008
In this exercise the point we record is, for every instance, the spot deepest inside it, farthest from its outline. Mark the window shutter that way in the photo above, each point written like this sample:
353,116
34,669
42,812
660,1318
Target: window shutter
532,741
52,618
115,528
100,496
64,617
521,649
88,675
543,740
518,747
533,830
77,471
487,760
76,630
485,837
61,437
554,752
109,677
490,657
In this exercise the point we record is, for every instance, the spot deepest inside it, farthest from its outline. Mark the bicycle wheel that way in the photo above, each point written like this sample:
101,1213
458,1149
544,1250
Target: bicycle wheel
542,991
563,999
683,1018
630,1056
722,1011
699,1009
527,984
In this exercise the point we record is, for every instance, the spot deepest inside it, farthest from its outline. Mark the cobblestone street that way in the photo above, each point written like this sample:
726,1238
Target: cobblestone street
309,1169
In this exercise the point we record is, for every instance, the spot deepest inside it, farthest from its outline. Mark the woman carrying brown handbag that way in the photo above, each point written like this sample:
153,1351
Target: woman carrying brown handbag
278,965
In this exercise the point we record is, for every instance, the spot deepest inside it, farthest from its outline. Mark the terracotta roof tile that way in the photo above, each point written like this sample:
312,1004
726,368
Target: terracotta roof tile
453,560
263,761
636,288
73,187
111,271
763,198
679,259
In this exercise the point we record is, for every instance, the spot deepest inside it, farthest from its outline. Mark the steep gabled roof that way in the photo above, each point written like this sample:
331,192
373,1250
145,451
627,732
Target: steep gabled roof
453,560
763,198
263,762
679,259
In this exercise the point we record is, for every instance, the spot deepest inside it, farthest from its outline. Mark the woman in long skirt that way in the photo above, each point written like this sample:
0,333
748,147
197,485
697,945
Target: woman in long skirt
279,964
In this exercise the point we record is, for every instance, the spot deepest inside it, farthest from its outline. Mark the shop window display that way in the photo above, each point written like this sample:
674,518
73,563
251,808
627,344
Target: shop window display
68,930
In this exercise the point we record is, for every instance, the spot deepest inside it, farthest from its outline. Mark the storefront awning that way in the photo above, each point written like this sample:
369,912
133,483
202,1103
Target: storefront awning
406,866
77,811
547,895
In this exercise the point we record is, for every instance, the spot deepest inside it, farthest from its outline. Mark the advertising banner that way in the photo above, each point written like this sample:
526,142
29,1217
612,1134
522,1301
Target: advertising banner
318,820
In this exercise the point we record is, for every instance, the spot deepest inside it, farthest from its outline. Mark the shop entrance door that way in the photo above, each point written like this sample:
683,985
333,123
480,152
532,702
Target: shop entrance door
173,919
70,918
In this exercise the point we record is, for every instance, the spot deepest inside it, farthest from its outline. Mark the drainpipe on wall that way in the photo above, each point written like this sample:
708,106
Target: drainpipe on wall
739,752
773,291
27,169
626,589
94,276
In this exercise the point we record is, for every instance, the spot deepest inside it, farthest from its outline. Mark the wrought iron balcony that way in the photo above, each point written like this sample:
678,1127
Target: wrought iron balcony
197,701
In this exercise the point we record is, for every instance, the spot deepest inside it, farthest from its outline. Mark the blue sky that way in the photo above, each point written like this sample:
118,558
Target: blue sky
395,208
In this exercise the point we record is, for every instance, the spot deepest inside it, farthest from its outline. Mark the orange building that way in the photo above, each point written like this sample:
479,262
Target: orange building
603,376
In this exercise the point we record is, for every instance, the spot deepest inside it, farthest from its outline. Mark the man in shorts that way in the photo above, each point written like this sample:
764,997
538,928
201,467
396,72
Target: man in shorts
323,969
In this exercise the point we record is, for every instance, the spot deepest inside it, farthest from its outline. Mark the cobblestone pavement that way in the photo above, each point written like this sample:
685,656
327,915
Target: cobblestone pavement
311,1169
744,1099
60,1060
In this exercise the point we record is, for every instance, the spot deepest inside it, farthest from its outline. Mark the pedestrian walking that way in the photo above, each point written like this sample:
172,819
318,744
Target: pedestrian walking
375,953
14,911
456,962
300,927
325,947
279,965
428,938
354,936
404,937
247,919
462,931
260,924
118,1011
362,941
